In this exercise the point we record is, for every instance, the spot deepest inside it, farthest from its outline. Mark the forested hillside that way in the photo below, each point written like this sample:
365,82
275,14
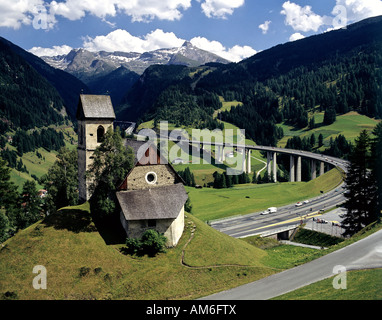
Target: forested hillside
335,72
26,99
31,111
67,86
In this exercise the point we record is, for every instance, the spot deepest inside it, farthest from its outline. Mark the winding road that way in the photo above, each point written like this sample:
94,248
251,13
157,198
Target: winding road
364,254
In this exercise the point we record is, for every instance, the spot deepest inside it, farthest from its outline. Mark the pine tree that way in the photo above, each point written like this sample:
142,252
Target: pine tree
9,202
30,211
329,116
61,181
361,188
312,123
376,165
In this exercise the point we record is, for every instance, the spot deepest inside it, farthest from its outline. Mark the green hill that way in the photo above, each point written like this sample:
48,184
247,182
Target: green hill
349,125
80,265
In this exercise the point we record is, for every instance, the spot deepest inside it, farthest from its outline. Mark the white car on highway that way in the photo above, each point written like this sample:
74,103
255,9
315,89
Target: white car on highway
298,204
269,210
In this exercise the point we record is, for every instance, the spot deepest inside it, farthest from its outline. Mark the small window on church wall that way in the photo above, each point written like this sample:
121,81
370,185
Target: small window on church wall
100,133
151,178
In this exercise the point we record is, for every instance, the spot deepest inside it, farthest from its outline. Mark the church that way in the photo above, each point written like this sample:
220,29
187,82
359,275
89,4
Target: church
152,196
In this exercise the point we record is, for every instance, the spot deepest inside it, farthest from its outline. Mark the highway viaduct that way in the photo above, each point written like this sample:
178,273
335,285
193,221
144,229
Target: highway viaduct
295,157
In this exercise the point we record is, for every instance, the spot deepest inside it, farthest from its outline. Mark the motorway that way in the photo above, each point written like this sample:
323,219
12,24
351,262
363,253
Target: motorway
255,223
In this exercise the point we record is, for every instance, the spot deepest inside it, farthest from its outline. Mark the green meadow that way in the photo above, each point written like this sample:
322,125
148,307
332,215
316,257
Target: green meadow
349,125
210,204
39,166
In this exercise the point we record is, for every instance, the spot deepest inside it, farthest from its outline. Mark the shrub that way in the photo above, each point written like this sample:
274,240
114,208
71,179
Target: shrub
84,271
97,270
133,245
10,295
151,243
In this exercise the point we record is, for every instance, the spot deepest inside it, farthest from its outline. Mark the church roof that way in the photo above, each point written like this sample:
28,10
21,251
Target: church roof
156,203
95,107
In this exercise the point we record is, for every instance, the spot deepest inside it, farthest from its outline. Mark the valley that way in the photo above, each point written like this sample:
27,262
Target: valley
317,94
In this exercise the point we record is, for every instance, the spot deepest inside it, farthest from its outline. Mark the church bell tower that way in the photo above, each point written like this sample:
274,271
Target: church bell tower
95,115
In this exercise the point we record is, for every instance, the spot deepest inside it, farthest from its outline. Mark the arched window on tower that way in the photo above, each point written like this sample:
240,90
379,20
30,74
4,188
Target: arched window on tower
100,133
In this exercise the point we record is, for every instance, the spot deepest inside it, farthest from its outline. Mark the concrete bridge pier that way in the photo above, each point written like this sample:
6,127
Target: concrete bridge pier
269,159
322,168
291,169
298,169
313,170
218,154
274,170
244,165
248,153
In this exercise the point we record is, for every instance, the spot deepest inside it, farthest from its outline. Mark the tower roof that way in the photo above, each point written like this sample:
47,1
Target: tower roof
95,107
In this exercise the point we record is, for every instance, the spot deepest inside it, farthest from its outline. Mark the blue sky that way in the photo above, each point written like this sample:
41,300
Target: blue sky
234,29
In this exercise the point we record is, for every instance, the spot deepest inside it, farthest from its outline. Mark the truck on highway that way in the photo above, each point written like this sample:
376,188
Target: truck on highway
269,210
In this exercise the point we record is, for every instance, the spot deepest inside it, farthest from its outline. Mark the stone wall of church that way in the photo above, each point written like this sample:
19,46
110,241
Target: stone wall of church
141,177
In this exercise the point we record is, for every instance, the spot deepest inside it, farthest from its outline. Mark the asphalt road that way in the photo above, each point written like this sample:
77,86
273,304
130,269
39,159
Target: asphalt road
366,253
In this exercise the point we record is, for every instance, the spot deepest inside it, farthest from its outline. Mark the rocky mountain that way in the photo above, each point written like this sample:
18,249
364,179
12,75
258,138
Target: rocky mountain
87,65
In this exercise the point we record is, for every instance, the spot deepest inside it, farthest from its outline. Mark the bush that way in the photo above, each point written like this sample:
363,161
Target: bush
151,243
84,271
133,245
10,295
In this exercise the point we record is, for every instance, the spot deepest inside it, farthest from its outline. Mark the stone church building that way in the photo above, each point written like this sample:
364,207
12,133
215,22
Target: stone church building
152,195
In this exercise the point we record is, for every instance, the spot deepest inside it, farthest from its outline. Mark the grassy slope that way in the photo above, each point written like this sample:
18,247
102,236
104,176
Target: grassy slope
349,125
63,250
69,241
40,166
211,203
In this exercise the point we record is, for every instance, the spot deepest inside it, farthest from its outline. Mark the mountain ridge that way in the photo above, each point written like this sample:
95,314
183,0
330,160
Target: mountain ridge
87,65
339,70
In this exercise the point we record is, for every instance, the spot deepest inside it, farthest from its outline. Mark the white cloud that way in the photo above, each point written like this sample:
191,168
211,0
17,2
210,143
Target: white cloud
122,40
357,10
75,10
234,54
296,36
139,10
145,10
50,52
343,13
220,8
301,18
265,26
238,53
15,13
